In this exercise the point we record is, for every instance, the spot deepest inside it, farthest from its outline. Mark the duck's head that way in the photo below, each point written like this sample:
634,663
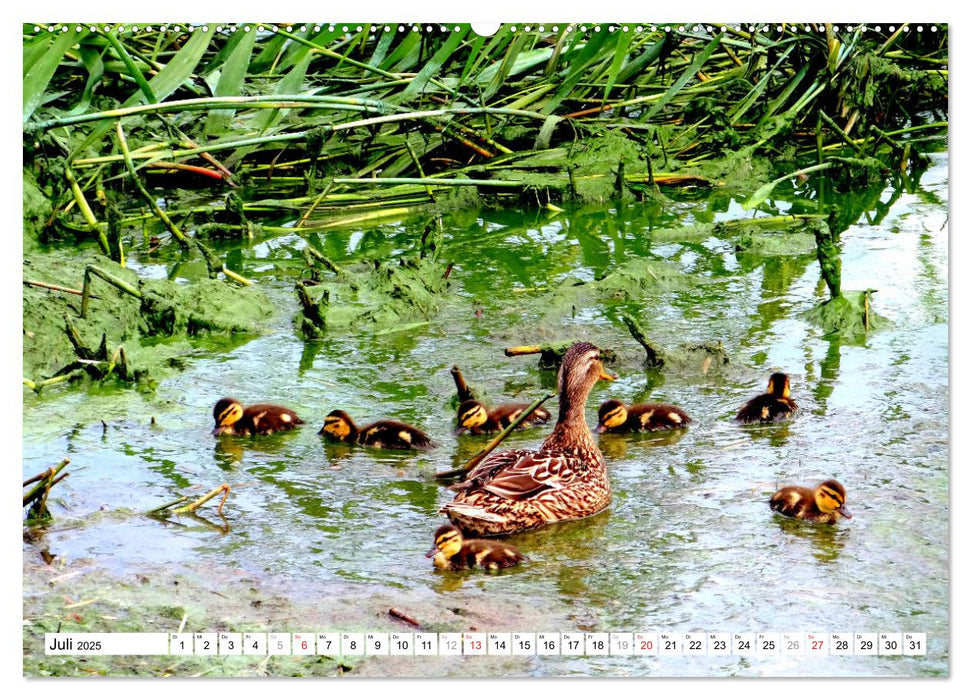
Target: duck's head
338,426
830,498
779,385
612,413
580,369
471,414
226,413
448,542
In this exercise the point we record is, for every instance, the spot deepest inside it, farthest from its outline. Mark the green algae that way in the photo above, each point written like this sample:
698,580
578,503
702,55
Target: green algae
849,316
686,358
380,296
37,211
154,330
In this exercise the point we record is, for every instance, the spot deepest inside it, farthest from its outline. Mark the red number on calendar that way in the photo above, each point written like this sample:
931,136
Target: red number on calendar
817,644
646,645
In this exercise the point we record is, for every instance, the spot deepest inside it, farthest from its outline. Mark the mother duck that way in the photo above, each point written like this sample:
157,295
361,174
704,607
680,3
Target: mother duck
565,479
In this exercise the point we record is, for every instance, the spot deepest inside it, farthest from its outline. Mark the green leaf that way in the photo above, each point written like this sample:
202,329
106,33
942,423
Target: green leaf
762,193
636,65
42,68
405,55
167,81
588,55
381,50
431,68
546,132
506,65
685,78
180,68
524,61
620,54
231,82
91,59
133,70
735,116
291,84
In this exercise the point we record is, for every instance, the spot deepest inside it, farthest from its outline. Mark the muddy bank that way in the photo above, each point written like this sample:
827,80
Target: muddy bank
84,596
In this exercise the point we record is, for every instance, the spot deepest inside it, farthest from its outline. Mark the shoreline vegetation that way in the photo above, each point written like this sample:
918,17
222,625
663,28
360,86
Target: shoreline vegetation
307,129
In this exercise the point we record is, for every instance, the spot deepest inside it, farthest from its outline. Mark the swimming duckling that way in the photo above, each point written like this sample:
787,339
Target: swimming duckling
772,406
615,417
479,420
451,552
383,434
825,504
258,419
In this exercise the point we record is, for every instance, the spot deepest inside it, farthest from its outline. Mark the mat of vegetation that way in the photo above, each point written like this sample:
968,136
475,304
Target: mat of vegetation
324,128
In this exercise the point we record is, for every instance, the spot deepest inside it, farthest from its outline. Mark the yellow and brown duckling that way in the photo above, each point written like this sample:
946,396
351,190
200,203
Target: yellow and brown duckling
824,504
259,419
475,418
565,479
772,406
383,434
615,417
452,552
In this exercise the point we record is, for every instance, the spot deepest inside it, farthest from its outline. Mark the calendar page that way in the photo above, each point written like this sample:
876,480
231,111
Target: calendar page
502,349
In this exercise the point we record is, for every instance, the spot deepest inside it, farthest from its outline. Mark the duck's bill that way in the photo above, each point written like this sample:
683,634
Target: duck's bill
460,430
608,376
218,430
601,428
845,513
431,552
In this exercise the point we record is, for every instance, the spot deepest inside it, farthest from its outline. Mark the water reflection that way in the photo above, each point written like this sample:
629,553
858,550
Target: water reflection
776,434
616,446
826,541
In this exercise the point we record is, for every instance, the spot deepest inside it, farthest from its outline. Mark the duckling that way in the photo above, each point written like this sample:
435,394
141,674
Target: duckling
824,504
615,417
772,406
383,434
451,552
258,419
479,420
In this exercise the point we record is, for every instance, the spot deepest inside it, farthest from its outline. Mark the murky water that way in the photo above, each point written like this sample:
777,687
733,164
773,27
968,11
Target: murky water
689,543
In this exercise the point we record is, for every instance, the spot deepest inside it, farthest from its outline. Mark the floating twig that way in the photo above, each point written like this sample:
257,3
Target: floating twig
120,284
495,442
55,287
191,508
394,612
655,358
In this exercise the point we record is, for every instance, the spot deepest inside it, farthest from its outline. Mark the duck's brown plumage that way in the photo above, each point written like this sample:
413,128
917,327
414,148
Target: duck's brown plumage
259,419
615,417
477,419
823,504
565,479
382,434
452,552
772,406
